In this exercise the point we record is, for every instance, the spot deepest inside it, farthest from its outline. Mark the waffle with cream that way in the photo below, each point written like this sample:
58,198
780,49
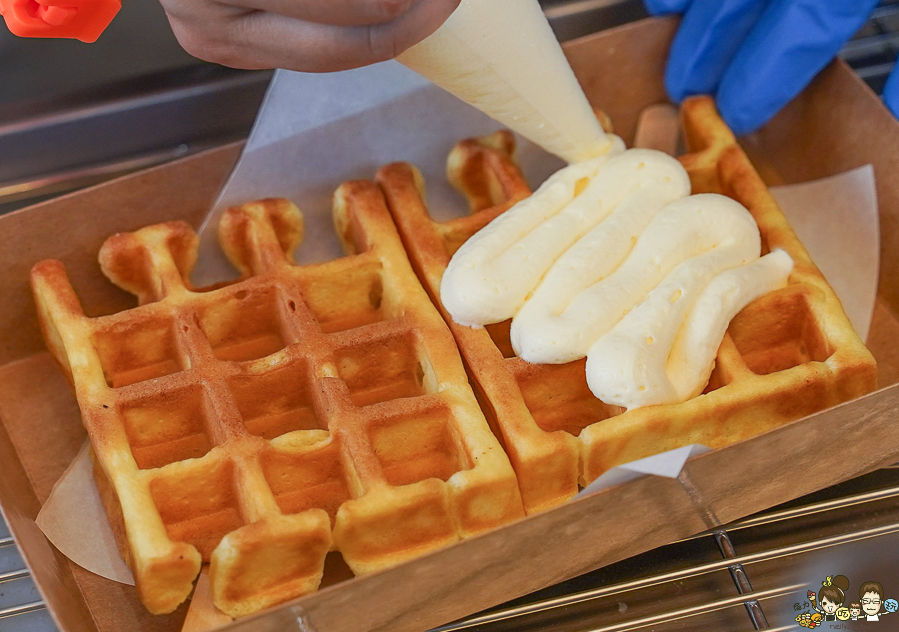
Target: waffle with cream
787,354
258,425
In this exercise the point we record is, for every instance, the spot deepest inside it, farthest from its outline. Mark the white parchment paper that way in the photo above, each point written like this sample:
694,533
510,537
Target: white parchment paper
836,218
667,464
406,119
88,540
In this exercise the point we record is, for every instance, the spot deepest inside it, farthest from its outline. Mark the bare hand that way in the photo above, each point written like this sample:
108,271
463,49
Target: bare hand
306,35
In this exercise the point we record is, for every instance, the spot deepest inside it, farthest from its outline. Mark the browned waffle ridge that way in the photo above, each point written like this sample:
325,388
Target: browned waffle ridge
788,354
258,425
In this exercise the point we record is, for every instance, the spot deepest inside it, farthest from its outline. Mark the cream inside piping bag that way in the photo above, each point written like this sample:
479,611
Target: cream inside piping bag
502,57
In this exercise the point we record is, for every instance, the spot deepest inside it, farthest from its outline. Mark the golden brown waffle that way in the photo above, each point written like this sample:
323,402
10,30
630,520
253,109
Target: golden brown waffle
260,424
786,355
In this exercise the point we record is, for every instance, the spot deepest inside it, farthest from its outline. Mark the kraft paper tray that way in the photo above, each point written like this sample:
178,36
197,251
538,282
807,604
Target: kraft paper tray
834,125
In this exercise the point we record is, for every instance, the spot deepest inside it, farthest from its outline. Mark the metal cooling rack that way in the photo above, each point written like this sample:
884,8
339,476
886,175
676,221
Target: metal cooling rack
760,566
748,575
872,52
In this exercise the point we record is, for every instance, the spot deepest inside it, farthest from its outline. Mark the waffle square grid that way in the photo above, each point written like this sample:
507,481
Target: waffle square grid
260,424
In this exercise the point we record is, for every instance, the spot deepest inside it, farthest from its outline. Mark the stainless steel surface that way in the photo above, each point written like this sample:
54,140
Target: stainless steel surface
137,124
746,575
575,18
138,43
872,52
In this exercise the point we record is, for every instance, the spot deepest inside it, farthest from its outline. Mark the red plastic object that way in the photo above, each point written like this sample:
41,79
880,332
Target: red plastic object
83,20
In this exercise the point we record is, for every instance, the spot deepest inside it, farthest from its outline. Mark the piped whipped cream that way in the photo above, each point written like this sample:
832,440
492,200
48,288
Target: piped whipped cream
491,275
613,259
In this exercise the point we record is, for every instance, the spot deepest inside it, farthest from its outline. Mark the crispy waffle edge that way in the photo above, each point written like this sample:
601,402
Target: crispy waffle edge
258,425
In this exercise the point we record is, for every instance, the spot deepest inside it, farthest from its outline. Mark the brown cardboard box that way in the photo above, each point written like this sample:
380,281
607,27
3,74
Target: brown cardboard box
835,125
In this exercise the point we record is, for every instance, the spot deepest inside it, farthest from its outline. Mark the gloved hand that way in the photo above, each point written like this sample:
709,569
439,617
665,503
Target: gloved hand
756,55
306,35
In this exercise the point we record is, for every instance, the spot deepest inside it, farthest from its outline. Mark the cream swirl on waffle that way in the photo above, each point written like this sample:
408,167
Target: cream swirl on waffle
613,259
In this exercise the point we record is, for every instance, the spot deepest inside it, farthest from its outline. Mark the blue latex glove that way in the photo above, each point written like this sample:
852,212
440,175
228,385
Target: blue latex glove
756,55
